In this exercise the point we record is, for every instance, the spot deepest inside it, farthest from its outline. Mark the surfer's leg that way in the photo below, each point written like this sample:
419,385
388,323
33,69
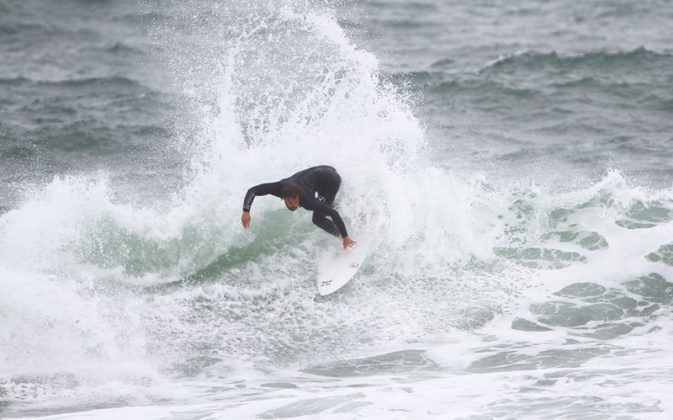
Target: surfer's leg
325,224
331,185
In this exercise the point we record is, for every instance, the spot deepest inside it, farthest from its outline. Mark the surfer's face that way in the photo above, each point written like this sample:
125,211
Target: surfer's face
292,203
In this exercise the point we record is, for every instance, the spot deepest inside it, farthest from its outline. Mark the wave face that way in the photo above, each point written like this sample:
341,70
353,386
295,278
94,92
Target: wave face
129,287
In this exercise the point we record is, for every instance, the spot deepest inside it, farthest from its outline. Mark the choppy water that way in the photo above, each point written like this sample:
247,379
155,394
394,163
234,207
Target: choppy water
509,162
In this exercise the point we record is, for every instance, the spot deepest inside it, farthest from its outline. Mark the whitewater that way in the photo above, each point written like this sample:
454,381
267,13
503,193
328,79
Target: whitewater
515,193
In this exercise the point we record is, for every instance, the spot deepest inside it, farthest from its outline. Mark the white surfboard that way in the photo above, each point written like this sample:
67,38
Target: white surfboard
337,267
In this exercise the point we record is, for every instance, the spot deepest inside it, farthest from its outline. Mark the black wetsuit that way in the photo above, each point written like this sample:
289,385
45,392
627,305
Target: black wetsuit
318,186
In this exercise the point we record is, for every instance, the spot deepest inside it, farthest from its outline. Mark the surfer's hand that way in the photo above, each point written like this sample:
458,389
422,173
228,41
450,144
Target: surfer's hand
245,219
348,242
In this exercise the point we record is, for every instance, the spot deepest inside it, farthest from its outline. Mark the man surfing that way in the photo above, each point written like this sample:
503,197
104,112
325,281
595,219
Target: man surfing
313,189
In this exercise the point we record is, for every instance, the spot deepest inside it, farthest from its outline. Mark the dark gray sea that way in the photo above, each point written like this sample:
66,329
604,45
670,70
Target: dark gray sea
508,164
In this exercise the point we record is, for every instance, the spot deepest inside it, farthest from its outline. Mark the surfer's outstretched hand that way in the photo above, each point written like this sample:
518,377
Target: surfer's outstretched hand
348,242
245,219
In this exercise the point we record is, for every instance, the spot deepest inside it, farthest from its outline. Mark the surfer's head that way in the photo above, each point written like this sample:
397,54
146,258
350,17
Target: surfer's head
290,195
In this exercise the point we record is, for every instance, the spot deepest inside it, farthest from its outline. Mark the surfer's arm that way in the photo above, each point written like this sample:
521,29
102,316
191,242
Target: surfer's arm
273,188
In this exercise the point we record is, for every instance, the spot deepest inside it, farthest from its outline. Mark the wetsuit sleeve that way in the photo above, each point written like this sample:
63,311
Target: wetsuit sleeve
317,206
273,188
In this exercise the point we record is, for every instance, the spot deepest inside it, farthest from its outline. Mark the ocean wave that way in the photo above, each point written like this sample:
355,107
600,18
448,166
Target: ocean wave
485,87
113,82
415,79
639,78
14,28
439,83
595,60
14,81
122,48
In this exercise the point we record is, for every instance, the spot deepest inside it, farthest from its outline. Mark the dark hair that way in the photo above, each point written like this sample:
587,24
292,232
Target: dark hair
290,190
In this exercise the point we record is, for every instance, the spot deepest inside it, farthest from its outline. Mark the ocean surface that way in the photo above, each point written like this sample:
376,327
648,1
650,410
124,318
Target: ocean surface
509,164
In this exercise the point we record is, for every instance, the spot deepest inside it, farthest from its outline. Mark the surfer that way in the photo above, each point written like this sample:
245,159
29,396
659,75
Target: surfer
313,189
